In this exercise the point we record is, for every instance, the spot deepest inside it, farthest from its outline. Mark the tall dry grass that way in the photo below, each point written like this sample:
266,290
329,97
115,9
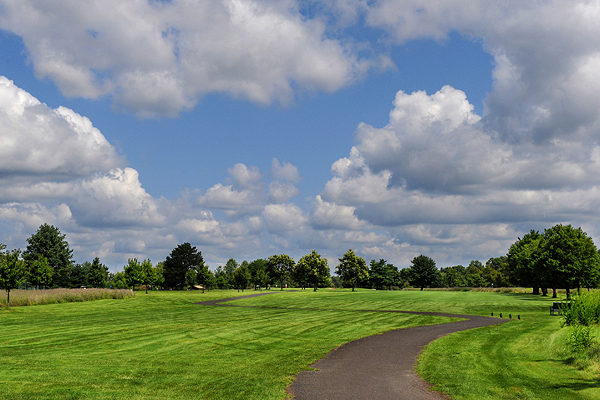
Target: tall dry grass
56,296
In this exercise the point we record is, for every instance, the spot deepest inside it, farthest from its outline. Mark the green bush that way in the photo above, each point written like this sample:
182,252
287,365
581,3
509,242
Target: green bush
584,310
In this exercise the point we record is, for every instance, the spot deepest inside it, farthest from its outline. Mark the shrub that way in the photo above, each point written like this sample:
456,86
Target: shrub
584,310
581,337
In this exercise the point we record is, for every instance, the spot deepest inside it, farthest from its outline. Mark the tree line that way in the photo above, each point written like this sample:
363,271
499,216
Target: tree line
561,257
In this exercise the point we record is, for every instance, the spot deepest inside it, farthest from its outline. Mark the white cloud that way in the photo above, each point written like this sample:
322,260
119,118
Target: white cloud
284,218
158,58
37,140
285,171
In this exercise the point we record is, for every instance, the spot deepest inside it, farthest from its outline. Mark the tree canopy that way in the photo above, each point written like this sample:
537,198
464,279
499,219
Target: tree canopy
13,271
280,267
352,269
314,268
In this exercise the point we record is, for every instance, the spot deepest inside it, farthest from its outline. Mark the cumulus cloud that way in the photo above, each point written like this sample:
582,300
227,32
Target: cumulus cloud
158,58
436,170
37,140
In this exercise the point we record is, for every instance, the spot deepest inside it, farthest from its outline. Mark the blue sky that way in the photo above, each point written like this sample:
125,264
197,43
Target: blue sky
256,128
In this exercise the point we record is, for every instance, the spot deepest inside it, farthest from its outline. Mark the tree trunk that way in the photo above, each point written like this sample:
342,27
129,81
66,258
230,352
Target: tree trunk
7,298
554,295
544,291
536,290
421,288
568,293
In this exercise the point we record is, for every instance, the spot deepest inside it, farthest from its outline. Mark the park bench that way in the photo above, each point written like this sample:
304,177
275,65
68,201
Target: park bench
555,308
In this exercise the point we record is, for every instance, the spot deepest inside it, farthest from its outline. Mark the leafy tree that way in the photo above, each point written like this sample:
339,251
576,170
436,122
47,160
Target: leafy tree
455,276
523,259
160,277
149,274
221,278
241,276
190,277
98,274
134,274
500,266
382,274
405,276
49,242
314,268
183,258
258,272
205,277
423,272
13,271
474,275
300,274
280,267
352,269
118,280
39,272
570,256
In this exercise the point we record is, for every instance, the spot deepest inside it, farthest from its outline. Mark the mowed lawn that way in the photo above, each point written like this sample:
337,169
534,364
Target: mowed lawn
163,346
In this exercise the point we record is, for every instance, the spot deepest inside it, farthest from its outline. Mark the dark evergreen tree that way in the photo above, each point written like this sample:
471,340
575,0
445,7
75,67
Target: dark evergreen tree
183,258
382,274
423,272
50,243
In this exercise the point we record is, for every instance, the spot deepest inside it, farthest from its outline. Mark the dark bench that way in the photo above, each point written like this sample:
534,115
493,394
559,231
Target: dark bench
555,308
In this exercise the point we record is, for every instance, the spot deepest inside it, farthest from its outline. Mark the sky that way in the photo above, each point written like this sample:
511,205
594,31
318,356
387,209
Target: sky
254,128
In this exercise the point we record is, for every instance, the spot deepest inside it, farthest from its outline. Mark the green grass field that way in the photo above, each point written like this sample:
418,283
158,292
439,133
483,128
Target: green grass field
162,346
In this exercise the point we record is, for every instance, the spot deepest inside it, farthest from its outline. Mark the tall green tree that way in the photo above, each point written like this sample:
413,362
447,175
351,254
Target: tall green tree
280,267
149,274
314,268
39,272
49,242
98,274
523,259
474,274
183,258
352,269
382,274
241,276
423,272
258,272
13,272
570,256
134,275
205,277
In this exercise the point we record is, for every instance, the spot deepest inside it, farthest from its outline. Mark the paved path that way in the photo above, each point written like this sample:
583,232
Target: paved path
378,367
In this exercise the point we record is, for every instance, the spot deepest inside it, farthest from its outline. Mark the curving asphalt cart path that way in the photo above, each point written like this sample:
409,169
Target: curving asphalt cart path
379,367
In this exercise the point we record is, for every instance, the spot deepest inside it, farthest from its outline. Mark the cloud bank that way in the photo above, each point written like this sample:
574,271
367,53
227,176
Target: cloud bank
437,179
